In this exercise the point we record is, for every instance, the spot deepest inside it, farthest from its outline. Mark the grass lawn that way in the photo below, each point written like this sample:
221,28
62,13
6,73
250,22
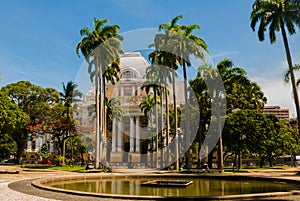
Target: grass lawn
52,167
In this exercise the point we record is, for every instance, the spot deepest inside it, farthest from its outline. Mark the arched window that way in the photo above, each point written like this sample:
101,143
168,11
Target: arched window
128,74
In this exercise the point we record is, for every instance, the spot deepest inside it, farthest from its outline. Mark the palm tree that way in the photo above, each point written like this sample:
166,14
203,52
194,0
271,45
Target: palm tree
162,56
216,101
67,97
147,86
201,91
101,49
173,48
287,74
188,45
113,108
161,74
147,107
278,15
241,93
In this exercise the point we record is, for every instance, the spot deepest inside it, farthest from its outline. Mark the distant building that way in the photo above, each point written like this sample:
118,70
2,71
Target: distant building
282,114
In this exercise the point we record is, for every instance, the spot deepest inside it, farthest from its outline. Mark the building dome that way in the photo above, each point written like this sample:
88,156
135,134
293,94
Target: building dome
133,65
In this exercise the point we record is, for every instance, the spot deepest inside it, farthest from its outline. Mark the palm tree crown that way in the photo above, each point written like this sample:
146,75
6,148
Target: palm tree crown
279,15
275,14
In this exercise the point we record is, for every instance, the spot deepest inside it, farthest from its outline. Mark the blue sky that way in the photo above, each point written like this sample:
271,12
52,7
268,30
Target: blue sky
38,38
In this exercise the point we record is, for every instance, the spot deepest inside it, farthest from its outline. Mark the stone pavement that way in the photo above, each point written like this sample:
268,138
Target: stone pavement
18,186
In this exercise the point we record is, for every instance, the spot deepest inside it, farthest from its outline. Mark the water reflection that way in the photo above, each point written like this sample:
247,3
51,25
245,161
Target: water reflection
200,187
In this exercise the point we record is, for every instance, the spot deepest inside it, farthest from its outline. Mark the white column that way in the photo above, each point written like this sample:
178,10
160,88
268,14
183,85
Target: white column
137,130
37,143
28,145
133,90
131,188
138,91
51,149
113,186
120,136
116,91
119,187
43,139
131,135
114,135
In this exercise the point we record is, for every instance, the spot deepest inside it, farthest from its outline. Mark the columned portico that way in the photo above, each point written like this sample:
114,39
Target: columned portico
118,143
126,132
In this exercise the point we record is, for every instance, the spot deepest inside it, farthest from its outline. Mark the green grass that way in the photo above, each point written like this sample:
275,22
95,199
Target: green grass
52,167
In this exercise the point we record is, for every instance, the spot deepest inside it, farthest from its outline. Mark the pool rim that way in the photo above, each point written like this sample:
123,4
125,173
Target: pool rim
40,183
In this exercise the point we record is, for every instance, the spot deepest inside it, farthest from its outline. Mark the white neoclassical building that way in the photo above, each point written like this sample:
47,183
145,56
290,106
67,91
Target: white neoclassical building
128,133
126,137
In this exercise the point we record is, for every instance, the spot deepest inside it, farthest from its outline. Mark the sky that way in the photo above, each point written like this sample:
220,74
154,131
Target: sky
38,38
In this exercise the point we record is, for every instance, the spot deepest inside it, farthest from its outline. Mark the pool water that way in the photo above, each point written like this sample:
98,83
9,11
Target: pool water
200,186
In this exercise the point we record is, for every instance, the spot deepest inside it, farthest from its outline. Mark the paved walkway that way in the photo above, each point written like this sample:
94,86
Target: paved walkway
18,186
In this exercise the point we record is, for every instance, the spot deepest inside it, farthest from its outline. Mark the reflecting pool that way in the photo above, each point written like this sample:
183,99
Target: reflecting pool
199,186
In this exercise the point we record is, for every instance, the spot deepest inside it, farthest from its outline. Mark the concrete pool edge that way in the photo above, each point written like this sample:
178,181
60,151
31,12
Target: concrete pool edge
40,184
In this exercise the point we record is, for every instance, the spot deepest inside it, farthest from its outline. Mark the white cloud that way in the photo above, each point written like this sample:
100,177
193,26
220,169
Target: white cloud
17,70
222,54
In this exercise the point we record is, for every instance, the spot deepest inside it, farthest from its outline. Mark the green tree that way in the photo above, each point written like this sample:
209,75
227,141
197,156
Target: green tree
59,127
113,108
147,107
216,105
149,85
241,93
180,41
68,95
43,152
198,86
163,55
36,102
101,49
278,15
258,135
75,150
12,119
189,45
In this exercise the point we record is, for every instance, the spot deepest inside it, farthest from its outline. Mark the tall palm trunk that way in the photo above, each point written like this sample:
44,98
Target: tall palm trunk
187,121
220,152
167,125
65,137
101,115
156,128
175,119
104,120
293,80
161,127
97,151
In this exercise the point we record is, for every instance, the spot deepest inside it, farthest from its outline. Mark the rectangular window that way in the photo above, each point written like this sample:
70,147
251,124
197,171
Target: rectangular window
127,91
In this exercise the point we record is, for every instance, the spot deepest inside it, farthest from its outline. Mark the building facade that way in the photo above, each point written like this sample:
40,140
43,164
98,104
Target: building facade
282,114
127,136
